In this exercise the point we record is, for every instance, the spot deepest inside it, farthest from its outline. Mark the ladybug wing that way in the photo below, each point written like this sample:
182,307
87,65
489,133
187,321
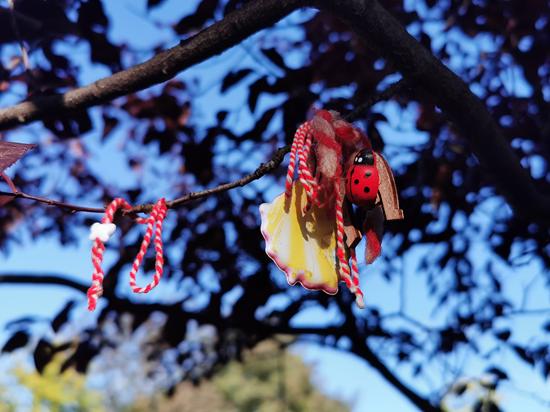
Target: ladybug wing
387,189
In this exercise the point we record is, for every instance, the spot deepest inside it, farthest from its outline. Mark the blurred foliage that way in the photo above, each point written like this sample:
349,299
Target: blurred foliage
268,378
464,245
473,395
56,391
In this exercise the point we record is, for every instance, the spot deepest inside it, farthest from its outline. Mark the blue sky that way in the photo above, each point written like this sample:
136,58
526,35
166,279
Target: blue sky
337,372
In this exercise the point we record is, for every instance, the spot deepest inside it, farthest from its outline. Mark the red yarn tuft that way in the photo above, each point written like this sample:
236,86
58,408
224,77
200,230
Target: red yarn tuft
326,190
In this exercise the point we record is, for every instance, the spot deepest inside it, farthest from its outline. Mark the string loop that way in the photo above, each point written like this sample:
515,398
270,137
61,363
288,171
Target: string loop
100,234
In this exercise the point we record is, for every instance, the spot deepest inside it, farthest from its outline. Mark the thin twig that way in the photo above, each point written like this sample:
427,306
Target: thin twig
68,206
262,170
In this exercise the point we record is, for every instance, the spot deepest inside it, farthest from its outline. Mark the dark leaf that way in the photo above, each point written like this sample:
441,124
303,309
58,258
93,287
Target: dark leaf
153,3
17,340
84,354
57,61
4,200
275,57
103,51
42,355
91,15
109,123
485,405
69,127
166,138
524,354
68,363
221,116
198,160
256,88
203,13
62,347
499,373
62,316
232,78
256,133
460,388
503,335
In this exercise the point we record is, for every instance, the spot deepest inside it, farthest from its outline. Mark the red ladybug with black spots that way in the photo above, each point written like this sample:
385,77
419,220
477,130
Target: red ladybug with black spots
363,180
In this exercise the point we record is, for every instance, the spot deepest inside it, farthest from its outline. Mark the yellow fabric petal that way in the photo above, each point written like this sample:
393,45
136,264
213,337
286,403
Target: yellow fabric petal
303,245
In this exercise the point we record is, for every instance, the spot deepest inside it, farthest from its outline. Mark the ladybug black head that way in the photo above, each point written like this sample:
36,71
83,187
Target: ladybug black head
364,157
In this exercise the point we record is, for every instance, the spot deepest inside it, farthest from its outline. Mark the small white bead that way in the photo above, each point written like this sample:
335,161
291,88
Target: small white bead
102,231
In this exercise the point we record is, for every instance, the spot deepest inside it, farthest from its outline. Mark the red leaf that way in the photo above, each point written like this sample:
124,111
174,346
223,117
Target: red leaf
4,200
12,152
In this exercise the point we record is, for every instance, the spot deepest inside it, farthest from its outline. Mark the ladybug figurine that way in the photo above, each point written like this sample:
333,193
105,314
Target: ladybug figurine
363,179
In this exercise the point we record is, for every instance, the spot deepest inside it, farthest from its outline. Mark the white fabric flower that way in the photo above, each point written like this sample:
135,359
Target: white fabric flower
102,231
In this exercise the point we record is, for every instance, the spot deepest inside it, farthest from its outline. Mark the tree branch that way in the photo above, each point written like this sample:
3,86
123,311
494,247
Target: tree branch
46,279
361,349
418,65
262,170
421,403
369,19
51,202
230,31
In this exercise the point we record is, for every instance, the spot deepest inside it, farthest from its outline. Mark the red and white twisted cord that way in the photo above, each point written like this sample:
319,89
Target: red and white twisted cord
304,173
355,278
292,163
154,221
345,273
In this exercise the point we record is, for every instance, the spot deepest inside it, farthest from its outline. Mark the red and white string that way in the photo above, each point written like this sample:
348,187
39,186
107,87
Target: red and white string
154,228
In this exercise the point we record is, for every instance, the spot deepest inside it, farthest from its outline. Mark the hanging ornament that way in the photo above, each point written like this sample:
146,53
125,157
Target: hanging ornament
101,232
311,230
